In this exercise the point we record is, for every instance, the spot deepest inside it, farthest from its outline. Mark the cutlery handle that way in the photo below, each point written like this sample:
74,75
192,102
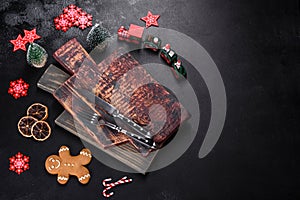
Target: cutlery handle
147,142
134,125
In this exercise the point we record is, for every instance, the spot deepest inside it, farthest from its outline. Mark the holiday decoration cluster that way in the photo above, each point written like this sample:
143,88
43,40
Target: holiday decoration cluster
34,124
36,55
73,16
135,35
20,42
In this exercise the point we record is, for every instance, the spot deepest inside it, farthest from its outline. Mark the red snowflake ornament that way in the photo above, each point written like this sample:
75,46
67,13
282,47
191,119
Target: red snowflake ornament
84,20
19,43
19,163
73,12
62,22
30,36
18,88
150,19
73,16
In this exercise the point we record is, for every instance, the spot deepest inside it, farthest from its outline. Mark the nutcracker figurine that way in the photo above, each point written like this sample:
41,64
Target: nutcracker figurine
168,54
178,68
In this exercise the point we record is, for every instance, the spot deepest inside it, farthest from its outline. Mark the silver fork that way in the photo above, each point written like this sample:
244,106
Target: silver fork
106,120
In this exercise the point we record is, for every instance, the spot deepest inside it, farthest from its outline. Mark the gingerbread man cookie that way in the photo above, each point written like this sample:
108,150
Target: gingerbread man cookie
65,165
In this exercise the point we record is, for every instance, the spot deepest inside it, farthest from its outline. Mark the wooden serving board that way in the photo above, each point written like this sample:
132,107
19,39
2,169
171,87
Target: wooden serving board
121,81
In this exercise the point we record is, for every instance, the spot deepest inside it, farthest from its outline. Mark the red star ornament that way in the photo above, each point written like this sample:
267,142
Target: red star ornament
19,43
150,19
30,36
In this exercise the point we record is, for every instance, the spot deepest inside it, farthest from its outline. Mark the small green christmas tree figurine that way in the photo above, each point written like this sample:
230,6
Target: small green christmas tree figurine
97,35
36,55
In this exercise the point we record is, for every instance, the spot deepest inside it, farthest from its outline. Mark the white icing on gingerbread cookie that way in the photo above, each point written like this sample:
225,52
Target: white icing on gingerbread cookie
65,165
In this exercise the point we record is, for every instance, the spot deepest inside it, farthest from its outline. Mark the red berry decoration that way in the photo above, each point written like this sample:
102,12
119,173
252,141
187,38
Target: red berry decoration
19,163
19,43
62,22
84,20
72,12
18,88
30,36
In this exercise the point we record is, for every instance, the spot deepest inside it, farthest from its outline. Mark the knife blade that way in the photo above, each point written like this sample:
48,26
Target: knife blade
113,111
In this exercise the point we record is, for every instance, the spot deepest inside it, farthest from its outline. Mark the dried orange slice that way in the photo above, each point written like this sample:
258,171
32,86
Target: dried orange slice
38,111
40,130
25,124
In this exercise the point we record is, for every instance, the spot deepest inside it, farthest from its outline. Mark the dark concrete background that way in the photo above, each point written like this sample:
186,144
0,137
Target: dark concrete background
255,44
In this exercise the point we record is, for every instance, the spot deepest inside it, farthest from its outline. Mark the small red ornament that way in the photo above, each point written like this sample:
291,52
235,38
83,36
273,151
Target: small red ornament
84,20
30,36
123,33
19,163
167,47
19,43
73,12
18,88
150,19
62,22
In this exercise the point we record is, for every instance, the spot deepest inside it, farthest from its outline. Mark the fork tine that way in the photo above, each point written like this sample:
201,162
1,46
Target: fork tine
83,114
93,117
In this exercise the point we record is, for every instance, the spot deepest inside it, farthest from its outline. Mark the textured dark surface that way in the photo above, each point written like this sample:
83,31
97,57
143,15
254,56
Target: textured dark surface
255,44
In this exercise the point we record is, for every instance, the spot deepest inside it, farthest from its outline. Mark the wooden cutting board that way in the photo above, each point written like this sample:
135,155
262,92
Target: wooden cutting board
123,82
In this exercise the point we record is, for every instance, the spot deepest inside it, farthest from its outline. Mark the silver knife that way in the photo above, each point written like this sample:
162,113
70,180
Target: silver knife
104,119
113,111
144,141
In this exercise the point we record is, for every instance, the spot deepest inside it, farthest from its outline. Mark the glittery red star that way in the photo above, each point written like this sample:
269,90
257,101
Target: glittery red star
19,43
150,19
19,163
30,36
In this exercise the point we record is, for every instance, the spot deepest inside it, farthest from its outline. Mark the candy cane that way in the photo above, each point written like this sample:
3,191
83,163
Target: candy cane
111,185
107,195
104,182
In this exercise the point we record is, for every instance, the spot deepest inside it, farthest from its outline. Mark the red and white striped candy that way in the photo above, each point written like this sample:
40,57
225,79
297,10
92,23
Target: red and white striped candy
107,195
111,185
